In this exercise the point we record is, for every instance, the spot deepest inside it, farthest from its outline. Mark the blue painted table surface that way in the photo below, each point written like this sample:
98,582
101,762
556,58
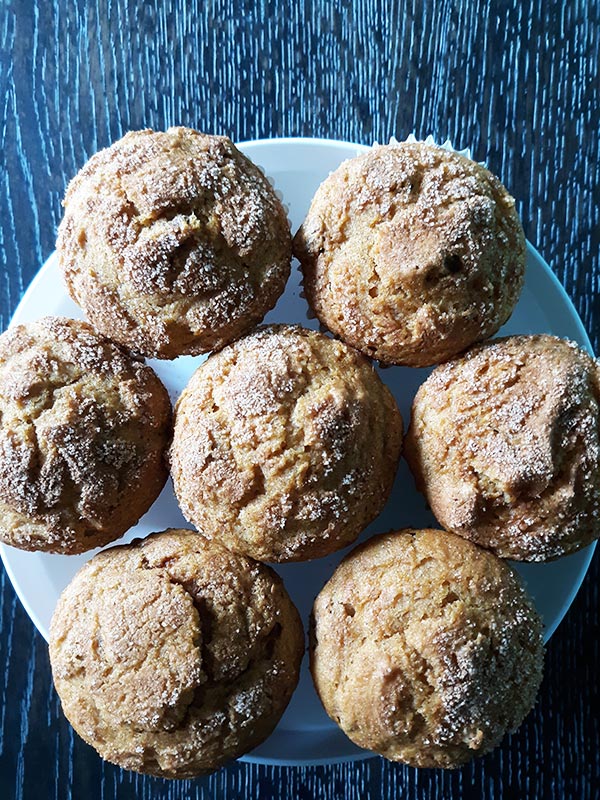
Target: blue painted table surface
517,82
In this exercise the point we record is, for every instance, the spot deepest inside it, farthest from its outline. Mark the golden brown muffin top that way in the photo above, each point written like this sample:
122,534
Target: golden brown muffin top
505,443
286,444
173,242
426,649
172,655
411,252
83,427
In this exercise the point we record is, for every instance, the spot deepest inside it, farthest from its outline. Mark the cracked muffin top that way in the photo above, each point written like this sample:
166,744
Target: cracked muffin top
286,445
173,242
425,648
172,655
505,444
83,430
411,253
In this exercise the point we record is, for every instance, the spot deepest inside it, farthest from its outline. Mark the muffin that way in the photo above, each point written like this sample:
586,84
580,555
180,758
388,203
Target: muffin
173,242
83,430
411,253
425,648
285,446
505,444
172,655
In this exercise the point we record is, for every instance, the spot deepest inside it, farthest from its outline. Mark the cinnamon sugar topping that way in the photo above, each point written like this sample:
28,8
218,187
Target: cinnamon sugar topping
285,445
426,648
505,442
410,253
82,433
173,242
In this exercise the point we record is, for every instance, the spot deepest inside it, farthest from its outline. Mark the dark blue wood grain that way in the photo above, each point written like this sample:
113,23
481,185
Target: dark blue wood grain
517,82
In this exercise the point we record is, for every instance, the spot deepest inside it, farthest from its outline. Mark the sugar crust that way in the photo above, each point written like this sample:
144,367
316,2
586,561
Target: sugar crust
505,444
425,648
286,445
411,253
83,432
173,242
172,655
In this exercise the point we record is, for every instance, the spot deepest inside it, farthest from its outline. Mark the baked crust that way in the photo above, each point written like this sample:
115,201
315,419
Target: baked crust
172,655
425,648
83,431
505,444
286,445
173,242
411,253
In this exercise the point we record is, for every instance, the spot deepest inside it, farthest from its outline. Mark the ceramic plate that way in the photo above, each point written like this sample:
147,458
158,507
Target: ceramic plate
305,735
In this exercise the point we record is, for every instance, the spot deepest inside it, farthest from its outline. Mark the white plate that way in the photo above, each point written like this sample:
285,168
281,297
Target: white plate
305,735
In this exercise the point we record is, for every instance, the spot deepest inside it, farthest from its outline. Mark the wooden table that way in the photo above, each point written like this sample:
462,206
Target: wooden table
517,82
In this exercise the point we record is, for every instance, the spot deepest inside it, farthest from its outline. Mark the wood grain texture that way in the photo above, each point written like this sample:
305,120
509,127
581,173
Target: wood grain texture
517,82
